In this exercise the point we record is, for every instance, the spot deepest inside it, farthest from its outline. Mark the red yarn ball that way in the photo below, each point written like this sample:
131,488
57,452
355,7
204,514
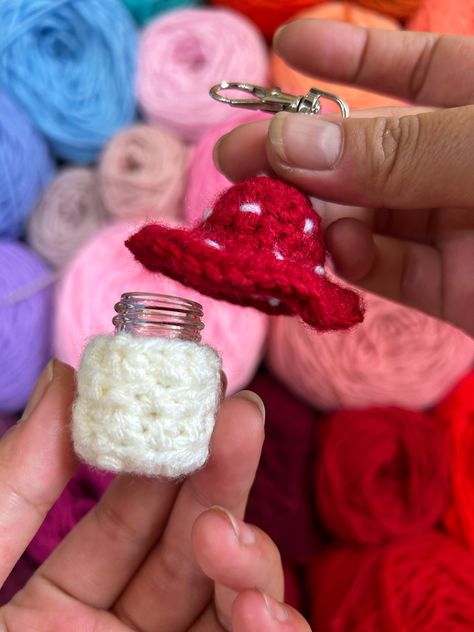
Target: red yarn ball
382,473
456,417
421,584
268,15
444,16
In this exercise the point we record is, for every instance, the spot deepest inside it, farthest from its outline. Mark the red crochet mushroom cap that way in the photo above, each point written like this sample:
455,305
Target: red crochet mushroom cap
260,246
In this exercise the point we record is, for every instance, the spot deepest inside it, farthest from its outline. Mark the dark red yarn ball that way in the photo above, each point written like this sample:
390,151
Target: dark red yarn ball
421,584
382,473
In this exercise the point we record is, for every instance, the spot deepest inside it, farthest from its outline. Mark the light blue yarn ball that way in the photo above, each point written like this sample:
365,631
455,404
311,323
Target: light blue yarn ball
26,167
71,64
144,10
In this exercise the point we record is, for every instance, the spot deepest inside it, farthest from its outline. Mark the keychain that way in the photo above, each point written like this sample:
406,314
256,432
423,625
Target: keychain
274,100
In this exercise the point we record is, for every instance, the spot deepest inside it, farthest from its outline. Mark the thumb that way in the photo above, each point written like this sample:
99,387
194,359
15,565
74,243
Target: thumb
412,161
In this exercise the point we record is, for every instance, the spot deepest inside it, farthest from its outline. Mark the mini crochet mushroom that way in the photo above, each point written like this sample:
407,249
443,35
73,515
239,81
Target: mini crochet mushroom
261,245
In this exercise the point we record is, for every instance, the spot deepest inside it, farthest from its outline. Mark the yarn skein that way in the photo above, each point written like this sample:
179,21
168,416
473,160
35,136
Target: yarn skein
396,357
268,15
418,584
142,173
84,307
70,69
182,54
455,415
382,473
205,183
401,9
26,302
69,213
439,16
292,81
144,10
281,498
25,167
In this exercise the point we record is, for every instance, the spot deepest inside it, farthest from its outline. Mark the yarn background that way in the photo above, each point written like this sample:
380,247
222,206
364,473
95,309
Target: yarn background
69,88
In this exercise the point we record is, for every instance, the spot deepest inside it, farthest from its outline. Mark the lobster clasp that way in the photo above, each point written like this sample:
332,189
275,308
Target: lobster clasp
274,100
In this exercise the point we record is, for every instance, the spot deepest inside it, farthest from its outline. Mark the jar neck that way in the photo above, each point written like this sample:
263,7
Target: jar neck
143,314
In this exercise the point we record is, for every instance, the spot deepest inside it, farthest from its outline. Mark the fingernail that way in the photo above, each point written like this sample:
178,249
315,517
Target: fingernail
243,533
276,609
39,390
253,397
306,141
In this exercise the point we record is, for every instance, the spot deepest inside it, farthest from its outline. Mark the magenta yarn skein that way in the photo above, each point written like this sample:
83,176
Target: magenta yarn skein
205,182
104,269
142,173
69,213
183,53
396,357
26,302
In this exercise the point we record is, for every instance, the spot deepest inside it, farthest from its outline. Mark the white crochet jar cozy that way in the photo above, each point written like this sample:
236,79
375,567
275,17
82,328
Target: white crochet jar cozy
146,405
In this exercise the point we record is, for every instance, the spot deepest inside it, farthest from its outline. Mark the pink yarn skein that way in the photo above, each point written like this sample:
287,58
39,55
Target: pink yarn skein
183,53
69,213
205,183
397,356
142,172
104,269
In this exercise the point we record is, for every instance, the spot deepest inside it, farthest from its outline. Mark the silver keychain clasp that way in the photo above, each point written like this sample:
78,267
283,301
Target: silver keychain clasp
274,100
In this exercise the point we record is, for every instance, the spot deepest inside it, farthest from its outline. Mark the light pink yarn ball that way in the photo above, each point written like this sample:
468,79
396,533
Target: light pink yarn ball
142,173
183,53
397,356
68,214
204,182
104,269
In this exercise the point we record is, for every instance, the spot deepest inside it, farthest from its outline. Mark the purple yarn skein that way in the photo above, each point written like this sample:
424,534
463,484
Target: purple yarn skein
26,167
26,306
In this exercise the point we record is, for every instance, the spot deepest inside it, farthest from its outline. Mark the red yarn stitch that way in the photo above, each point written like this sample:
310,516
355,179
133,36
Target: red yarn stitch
261,246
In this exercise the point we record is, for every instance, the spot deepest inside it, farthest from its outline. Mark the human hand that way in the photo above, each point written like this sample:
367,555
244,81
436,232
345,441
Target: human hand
151,555
397,184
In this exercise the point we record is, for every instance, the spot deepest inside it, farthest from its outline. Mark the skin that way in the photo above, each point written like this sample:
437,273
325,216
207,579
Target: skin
397,200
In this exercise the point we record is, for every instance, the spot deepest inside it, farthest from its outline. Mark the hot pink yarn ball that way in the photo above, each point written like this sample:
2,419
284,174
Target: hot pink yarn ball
205,182
104,269
142,173
397,356
69,213
183,54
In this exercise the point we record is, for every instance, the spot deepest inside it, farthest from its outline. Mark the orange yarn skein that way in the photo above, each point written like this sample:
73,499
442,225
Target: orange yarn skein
295,82
400,9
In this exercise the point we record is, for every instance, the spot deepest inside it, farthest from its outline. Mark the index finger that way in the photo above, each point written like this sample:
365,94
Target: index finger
423,68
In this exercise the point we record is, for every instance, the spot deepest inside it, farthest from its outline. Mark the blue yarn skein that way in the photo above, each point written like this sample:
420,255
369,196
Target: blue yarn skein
71,64
144,10
26,167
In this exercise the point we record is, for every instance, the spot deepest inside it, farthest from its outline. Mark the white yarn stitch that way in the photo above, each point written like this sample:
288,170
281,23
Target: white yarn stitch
146,405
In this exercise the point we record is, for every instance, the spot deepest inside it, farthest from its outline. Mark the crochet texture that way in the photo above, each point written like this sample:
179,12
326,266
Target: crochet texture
146,405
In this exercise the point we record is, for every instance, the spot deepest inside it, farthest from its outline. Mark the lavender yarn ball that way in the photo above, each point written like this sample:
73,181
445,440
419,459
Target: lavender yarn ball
25,167
69,213
26,316
71,64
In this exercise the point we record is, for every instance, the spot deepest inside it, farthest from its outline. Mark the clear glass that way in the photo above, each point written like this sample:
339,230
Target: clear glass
144,314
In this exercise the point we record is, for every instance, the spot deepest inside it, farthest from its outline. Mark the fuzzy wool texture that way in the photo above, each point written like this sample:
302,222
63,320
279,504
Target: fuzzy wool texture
146,405
261,245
